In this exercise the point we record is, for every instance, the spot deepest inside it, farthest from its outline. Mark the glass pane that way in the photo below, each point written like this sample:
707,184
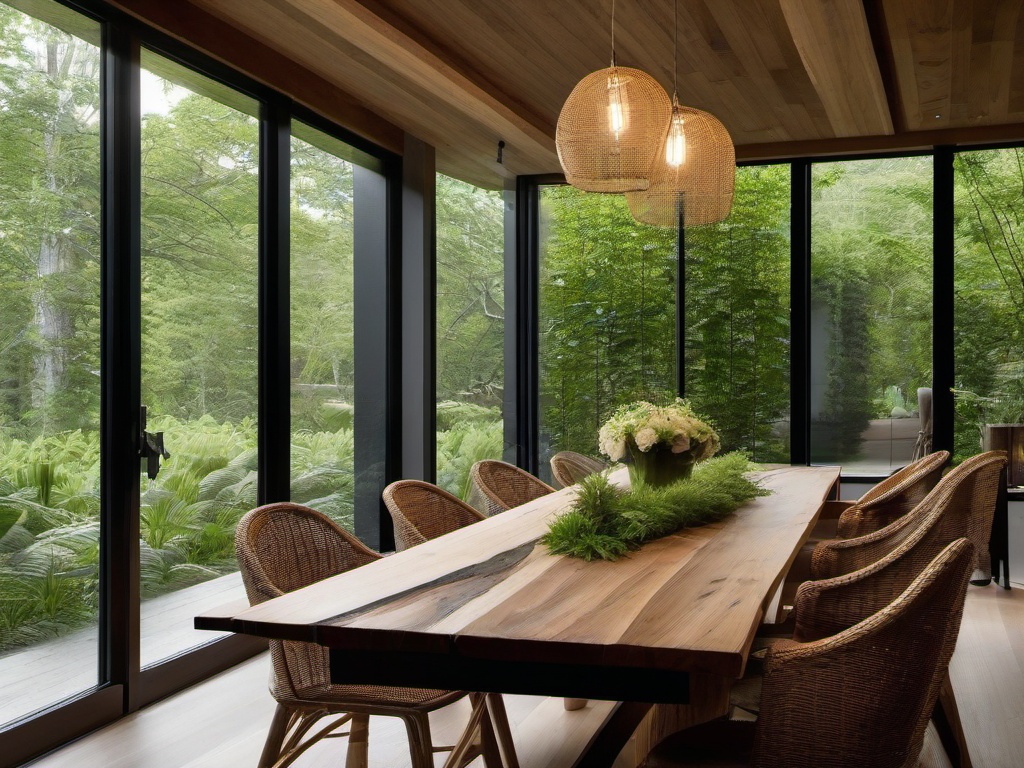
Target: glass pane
737,316
607,315
871,310
49,357
199,340
323,372
989,309
470,329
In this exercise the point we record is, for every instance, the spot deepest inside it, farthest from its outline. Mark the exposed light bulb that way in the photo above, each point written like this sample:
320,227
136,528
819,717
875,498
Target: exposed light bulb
675,144
617,107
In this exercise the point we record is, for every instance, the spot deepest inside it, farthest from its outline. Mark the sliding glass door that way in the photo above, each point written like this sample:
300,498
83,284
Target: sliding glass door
200,224
49,358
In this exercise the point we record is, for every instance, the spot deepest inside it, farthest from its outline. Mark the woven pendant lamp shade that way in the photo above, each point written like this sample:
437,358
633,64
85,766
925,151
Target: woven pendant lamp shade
703,184
594,155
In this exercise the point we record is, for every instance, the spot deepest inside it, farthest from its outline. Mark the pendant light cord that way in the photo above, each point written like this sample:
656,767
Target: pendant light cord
675,48
613,33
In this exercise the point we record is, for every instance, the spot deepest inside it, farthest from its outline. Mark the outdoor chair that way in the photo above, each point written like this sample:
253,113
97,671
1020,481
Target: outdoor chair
968,496
862,697
569,467
283,547
504,486
422,511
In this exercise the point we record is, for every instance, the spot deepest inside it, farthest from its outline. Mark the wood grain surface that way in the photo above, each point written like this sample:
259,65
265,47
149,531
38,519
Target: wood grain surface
689,602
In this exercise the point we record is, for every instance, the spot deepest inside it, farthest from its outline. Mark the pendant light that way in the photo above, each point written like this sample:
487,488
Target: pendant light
694,176
611,127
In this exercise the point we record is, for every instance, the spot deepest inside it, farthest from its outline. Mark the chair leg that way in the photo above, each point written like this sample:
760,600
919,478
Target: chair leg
275,738
499,718
947,722
421,748
474,741
358,742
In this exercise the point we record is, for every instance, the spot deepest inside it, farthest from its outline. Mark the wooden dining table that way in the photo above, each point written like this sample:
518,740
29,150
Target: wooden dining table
488,608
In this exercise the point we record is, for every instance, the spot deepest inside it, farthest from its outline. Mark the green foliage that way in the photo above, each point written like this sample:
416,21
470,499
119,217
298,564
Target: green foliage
737,316
871,286
607,286
606,521
460,447
470,294
989,330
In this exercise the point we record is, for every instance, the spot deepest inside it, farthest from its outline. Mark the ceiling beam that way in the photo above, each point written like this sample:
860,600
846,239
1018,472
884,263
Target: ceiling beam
836,48
432,74
909,141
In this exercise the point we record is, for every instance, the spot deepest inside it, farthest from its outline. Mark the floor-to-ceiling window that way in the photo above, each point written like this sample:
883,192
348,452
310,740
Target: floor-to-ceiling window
870,310
49,358
142,231
200,170
989,301
607,315
322,324
470,329
737,334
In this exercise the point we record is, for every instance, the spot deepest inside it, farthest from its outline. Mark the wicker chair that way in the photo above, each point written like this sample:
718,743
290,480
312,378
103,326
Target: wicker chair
283,547
422,511
893,497
968,496
569,467
862,697
504,486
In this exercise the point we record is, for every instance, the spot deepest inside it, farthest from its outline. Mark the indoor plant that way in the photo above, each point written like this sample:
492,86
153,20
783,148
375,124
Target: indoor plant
662,442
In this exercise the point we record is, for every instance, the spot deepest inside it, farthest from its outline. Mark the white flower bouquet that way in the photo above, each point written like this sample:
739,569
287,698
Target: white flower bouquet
642,430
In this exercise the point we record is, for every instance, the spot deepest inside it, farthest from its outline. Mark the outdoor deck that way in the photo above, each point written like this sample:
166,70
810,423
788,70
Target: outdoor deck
38,676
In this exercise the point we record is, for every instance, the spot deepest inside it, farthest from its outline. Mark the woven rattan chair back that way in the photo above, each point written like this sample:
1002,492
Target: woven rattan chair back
283,547
422,511
864,696
965,499
504,486
828,606
894,497
569,467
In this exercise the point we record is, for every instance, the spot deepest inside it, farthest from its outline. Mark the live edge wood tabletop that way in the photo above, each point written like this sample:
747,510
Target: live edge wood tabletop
486,608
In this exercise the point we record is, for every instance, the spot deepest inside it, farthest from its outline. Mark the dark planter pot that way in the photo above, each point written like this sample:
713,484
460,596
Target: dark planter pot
658,467
1009,438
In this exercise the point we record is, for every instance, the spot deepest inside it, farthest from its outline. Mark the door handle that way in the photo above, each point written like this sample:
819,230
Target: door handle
151,448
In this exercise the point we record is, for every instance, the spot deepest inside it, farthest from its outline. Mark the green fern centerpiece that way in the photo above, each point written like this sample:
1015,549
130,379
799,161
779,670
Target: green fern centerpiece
606,521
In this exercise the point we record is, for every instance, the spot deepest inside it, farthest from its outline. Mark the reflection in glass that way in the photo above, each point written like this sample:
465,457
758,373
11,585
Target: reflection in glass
871,310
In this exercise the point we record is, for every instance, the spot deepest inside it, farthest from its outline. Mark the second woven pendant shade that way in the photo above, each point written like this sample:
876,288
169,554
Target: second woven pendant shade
701,186
611,129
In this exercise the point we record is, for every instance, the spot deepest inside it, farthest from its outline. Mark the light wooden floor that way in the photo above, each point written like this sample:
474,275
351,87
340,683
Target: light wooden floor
222,723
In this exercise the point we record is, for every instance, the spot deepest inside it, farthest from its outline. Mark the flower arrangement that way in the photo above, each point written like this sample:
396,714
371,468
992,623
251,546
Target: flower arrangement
649,427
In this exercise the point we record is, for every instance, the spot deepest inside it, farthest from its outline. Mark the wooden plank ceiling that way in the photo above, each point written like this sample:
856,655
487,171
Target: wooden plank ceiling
786,77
